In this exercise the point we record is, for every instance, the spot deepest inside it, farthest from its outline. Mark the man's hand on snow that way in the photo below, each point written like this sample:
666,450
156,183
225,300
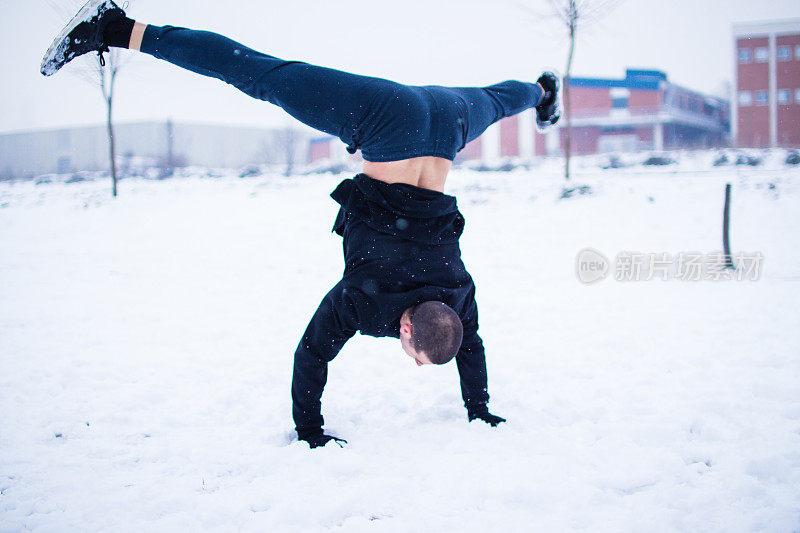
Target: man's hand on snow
315,440
487,417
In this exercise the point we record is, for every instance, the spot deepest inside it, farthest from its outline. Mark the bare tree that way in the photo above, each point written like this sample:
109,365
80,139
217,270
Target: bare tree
106,75
574,15
290,136
283,146
169,163
100,71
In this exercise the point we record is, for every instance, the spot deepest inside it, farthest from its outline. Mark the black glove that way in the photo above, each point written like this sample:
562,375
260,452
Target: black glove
318,438
487,417
549,110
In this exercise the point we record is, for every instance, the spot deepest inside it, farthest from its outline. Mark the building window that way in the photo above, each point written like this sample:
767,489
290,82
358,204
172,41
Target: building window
797,96
784,96
619,102
745,98
761,98
784,53
744,55
797,52
619,129
762,55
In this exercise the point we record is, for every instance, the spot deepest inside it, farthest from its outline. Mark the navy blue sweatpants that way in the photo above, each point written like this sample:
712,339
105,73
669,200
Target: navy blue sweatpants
387,121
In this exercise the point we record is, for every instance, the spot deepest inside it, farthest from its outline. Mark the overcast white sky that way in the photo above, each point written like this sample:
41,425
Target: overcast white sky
444,42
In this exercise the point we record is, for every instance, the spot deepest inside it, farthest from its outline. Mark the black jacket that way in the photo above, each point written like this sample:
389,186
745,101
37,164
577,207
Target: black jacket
400,249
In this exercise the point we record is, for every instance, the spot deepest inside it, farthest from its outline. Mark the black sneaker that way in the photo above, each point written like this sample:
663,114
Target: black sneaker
82,35
549,110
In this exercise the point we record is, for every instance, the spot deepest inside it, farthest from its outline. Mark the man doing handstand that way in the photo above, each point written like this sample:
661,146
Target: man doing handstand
403,275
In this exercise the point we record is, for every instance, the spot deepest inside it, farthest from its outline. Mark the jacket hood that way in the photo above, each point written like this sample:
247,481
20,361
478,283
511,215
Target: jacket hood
399,209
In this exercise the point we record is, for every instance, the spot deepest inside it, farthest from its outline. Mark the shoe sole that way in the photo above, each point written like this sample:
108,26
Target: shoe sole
559,104
59,44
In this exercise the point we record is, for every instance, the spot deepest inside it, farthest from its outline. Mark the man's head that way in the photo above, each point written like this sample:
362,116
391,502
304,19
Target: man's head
431,333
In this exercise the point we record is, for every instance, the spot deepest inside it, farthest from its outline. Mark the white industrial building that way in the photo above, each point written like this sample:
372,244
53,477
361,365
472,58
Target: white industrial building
33,153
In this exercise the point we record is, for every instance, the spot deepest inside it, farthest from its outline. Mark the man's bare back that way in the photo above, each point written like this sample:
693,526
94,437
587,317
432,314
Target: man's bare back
425,172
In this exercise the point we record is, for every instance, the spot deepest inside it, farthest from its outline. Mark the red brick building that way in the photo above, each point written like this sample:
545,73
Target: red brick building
320,148
642,111
766,110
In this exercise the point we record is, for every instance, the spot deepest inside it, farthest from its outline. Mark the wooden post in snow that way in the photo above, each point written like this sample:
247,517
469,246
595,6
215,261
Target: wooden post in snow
726,244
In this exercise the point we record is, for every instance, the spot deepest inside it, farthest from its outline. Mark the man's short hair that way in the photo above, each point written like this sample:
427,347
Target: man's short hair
437,331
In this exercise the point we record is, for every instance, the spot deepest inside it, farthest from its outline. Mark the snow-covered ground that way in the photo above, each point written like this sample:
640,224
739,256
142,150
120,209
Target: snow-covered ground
146,350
